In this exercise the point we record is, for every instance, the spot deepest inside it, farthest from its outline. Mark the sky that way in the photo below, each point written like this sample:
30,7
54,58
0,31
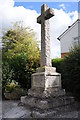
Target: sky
68,6
65,14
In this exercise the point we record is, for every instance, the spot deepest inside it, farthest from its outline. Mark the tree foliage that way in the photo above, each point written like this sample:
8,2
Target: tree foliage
21,53
20,40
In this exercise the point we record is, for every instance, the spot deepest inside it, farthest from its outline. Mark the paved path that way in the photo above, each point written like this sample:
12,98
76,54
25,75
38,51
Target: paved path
11,109
0,110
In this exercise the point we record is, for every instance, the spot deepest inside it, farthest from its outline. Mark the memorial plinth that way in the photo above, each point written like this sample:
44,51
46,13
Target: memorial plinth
46,82
46,93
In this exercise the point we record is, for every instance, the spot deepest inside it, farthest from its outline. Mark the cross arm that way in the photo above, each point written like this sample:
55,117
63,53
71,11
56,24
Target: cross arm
49,13
39,19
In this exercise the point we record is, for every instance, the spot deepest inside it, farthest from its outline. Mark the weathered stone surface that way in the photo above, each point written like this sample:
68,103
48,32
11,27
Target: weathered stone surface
52,81
46,76
47,103
46,80
38,80
45,37
41,93
56,114
47,70
47,14
46,114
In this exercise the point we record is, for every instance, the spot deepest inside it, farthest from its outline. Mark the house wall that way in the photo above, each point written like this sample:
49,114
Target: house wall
79,31
67,40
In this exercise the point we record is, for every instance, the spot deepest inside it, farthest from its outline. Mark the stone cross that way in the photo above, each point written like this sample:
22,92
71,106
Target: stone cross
43,19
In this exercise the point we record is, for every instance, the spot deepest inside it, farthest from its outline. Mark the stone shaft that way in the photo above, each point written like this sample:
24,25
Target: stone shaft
43,19
45,43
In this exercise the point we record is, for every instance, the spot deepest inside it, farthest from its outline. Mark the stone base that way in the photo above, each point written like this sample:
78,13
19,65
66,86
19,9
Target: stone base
46,97
46,69
46,82
49,93
46,78
48,107
59,112
46,103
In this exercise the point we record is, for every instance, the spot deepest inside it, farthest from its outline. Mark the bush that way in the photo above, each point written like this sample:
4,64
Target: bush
71,72
11,86
23,69
7,75
57,63
18,55
13,90
69,67
20,69
19,64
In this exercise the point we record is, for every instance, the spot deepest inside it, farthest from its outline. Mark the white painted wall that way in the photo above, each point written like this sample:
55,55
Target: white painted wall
79,31
67,40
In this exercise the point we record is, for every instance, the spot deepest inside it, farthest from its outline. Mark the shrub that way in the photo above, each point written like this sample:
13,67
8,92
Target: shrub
11,86
13,90
57,63
71,72
18,55
7,75
19,64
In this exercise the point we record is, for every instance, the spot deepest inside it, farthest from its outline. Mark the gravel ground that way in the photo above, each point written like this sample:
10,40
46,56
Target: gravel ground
10,109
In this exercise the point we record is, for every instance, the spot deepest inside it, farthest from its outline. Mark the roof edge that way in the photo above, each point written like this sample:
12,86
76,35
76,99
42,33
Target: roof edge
67,29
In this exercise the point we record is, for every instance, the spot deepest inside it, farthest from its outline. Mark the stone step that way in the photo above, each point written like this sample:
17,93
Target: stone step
41,93
47,103
54,114
58,112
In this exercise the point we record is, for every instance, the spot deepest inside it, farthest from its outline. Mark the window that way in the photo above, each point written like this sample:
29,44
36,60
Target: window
76,41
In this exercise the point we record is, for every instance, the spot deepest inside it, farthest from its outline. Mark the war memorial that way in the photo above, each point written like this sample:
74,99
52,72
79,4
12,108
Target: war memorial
46,98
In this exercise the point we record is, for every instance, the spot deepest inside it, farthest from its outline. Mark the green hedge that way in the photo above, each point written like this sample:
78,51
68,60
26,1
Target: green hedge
57,63
18,68
71,72
69,67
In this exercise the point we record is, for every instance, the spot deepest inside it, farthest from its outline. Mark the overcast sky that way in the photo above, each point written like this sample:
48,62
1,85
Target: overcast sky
65,14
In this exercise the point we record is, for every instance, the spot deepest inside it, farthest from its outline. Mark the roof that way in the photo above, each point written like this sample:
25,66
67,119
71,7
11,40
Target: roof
69,27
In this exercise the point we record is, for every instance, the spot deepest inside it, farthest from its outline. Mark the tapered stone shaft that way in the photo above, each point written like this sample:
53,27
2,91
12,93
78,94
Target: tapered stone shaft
43,19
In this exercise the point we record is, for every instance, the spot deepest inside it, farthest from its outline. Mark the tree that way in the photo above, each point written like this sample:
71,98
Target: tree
21,52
